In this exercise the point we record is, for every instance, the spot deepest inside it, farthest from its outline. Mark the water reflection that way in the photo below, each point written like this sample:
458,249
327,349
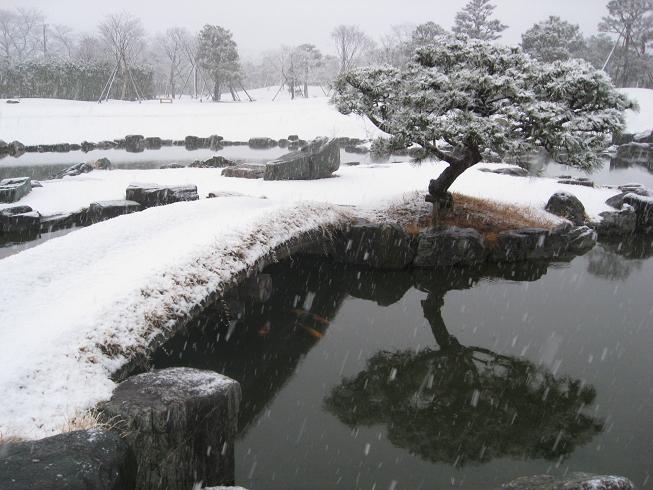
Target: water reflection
456,404
617,260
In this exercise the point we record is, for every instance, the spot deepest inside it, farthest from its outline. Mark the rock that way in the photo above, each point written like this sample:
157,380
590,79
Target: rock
379,246
293,137
345,141
172,165
245,171
134,143
11,101
579,240
150,195
166,142
16,148
584,181
4,147
214,195
617,223
262,143
522,244
352,164
622,138
75,147
634,154
573,481
61,148
35,183
63,220
12,190
643,207
87,146
618,200
567,206
513,171
153,143
181,424
644,137
19,219
104,210
79,460
215,142
448,247
102,164
193,142
317,160
77,169
213,162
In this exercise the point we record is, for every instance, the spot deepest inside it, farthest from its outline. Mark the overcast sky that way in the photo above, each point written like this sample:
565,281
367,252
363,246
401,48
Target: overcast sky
260,25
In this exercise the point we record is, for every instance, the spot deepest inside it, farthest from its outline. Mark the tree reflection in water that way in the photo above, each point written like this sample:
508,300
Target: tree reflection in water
462,405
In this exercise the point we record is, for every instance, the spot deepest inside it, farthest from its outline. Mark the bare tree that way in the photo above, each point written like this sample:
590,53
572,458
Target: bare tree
350,43
123,35
62,40
174,47
20,33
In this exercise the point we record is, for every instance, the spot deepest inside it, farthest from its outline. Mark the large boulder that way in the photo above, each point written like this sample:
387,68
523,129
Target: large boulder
181,424
73,170
104,210
451,246
573,481
643,206
153,143
317,160
134,143
634,154
644,137
150,195
16,148
379,246
617,223
522,244
567,206
12,190
215,142
19,219
80,460
4,147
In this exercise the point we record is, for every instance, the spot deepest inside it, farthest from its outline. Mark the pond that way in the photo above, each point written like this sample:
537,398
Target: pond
41,166
613,172
462,378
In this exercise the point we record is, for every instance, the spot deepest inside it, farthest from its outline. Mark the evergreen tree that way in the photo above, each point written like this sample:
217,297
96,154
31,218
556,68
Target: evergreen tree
475,21
462,100
217,53
553,40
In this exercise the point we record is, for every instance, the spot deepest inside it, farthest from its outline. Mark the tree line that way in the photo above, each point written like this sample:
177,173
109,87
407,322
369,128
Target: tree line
120,60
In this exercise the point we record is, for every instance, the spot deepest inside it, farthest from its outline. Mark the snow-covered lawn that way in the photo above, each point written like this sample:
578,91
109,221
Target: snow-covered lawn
46,121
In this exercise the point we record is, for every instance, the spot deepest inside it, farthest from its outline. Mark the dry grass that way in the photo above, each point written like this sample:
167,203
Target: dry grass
487,217
9,439
90,419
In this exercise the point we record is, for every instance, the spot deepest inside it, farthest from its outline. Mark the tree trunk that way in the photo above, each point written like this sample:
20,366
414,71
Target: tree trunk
216,89
432,310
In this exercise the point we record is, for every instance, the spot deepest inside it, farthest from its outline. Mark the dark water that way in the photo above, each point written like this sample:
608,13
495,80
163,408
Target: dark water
611,173
462,378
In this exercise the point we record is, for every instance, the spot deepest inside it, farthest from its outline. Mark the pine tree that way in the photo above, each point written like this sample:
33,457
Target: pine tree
464,100
218,54
475,21
553,40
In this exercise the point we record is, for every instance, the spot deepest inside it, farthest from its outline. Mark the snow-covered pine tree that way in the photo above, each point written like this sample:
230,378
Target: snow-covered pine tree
475,21
553,40
462,100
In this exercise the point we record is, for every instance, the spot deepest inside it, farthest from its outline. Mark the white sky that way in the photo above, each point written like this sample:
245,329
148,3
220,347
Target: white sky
260,25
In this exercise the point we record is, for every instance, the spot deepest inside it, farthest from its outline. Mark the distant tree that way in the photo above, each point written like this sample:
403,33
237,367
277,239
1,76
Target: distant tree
632,21
21,34
217,53
174,45
89,48
123,36
62,41
307,59
427,33
486,101
350,44
395,48
553,40
475,21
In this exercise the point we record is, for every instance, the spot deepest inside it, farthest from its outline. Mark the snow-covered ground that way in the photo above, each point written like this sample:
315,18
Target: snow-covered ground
47,121
120,282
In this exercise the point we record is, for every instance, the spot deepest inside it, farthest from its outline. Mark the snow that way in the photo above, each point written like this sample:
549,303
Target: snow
119,283
48,121
642,120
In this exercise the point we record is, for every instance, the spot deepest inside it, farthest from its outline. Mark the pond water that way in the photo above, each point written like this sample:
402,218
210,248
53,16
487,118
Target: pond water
41,166
462,378
611,173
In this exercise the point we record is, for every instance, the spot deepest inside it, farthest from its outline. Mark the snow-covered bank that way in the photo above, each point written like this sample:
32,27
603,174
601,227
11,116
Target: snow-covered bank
362,185
48,121
72,308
